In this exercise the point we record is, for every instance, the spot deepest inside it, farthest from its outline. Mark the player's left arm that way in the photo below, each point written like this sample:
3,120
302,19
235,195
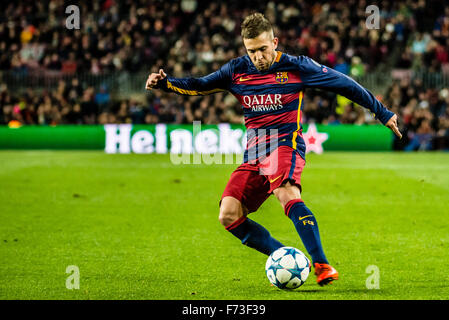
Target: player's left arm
318,76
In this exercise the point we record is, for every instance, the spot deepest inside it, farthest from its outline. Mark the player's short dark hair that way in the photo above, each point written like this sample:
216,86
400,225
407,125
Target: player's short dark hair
254,25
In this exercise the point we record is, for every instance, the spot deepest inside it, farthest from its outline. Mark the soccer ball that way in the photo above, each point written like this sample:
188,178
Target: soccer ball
287,268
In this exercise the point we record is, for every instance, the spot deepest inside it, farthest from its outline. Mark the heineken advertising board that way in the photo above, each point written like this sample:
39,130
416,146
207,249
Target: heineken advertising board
197,138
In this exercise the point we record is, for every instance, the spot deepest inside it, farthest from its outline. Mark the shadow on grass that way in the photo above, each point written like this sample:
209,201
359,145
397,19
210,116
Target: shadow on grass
330,291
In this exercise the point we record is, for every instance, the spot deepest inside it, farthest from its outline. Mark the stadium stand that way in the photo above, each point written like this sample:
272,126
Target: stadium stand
50,75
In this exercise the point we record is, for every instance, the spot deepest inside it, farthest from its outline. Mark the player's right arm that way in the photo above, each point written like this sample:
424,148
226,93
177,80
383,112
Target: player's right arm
214,82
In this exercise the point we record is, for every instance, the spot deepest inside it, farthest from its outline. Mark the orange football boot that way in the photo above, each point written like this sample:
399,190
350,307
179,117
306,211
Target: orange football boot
325,273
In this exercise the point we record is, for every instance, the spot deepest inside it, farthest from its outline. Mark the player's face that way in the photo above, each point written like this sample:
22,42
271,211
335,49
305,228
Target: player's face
262,50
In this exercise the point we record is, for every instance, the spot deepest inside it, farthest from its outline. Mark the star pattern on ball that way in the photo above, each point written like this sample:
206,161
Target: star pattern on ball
296,272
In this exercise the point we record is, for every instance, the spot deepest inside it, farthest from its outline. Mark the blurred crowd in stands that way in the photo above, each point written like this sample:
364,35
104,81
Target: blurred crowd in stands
195,37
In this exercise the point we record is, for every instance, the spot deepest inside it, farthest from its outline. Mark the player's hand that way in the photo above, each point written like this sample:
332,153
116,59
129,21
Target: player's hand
393,125
154,78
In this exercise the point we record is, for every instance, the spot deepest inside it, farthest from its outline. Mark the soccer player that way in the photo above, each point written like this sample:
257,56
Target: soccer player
269,85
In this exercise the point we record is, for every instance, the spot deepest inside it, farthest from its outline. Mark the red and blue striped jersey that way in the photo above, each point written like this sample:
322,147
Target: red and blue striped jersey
272,100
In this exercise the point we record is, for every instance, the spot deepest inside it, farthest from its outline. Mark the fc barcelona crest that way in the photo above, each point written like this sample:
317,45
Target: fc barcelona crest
281,77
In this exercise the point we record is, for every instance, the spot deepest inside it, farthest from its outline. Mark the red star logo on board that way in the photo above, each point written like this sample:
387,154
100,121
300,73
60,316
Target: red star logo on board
314,139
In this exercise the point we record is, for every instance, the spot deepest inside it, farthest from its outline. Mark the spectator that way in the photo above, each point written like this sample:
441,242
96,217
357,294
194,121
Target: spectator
102,98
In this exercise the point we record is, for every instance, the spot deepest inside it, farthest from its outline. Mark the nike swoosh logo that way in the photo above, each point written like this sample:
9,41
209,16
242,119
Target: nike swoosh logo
271,181
304,217
244,79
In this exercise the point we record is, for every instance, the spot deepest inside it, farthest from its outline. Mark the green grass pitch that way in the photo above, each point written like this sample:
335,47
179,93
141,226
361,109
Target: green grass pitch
139,227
